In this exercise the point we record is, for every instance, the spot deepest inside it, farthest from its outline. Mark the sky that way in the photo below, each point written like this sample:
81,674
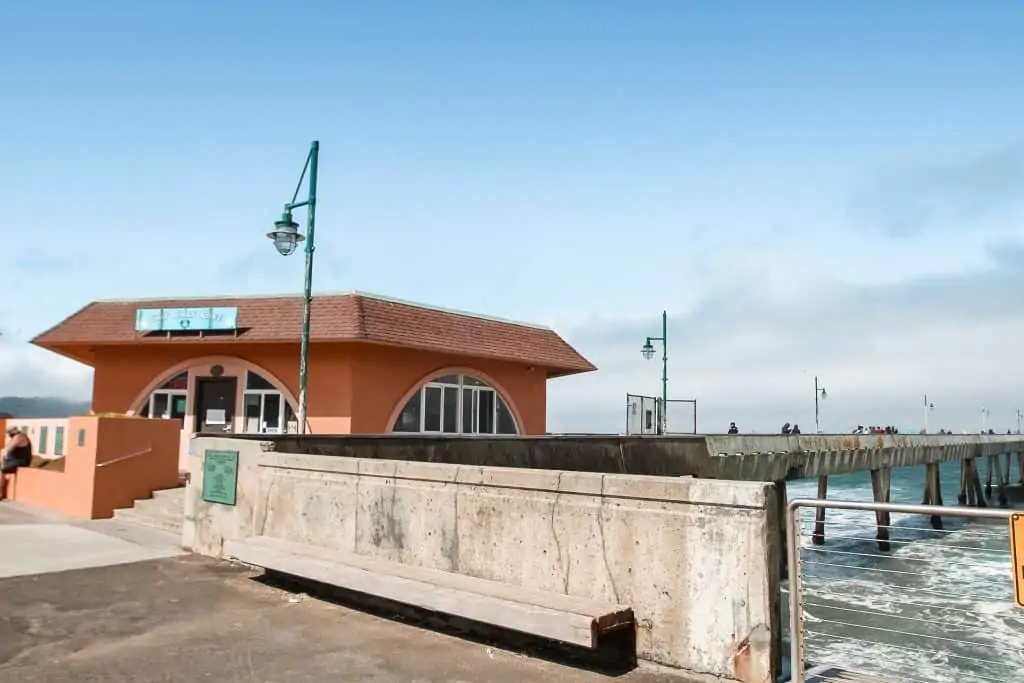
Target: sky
808,189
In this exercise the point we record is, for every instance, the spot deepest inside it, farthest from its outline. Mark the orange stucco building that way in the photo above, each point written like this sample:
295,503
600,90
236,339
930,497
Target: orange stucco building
376,365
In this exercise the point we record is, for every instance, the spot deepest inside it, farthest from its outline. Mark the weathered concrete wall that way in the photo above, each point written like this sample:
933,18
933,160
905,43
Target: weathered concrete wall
742,457
695,559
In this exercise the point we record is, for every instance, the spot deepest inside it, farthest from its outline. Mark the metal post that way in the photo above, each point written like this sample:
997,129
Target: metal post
817,424
307,292
926,411
664,372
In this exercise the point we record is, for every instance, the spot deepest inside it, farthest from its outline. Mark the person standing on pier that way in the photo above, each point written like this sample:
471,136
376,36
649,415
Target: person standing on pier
786,429
733,429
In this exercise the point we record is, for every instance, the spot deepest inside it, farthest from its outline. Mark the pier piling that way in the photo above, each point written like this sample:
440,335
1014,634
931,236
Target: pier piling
881,488
933,490
965,469
975,492
1003,480
818,537
993,463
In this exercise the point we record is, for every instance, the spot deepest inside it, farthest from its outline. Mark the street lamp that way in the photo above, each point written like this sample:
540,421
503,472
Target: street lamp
984,418
819,392
1020,416
286,238
928,408
648,353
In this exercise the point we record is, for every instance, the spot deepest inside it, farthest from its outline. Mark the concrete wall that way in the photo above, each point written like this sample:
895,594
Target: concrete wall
695,559
746,458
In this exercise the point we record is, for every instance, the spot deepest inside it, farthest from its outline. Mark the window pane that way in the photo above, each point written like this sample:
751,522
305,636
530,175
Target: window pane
506,423
161,405
291,423
432,409
446,379
485,412
179,381
472,381
178,404
468,410
254,381
271,413
252,413
409,419
451,410
145,409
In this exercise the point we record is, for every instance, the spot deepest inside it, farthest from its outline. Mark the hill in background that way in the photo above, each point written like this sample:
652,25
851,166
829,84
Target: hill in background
41,406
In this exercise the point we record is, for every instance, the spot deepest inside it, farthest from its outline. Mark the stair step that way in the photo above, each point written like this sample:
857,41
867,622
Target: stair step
159,521
164,506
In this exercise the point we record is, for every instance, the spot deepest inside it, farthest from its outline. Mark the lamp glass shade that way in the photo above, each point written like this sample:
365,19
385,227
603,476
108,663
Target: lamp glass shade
647,351
285,235
824,394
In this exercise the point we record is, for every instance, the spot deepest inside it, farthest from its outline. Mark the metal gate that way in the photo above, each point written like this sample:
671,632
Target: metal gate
935,606
681,416
642,415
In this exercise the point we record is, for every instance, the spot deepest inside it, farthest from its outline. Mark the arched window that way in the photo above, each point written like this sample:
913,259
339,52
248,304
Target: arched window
267,411
169,401
456,404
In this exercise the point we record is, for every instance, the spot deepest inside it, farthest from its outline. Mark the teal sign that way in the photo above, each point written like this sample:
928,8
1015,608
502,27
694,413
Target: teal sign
220,477
186,319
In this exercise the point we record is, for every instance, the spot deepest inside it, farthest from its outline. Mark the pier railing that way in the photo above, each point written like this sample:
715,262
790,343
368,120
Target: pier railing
902,594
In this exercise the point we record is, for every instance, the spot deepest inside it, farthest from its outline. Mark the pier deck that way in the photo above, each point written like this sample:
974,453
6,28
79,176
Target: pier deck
831,674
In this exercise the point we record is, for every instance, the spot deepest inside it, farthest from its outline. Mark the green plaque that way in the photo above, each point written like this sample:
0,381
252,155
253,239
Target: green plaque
220,476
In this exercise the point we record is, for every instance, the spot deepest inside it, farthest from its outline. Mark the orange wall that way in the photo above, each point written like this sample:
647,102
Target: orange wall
353,388
90,492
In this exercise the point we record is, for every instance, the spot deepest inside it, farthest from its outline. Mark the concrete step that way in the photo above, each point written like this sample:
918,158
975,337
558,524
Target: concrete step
163,522
165,505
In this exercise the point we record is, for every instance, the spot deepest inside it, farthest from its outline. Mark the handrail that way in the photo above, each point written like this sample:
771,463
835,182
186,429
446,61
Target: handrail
124,457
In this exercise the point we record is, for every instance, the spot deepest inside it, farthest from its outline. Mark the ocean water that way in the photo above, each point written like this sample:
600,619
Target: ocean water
937,608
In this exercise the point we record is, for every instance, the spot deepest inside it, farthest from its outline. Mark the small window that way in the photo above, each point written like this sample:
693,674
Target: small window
41,446
409,419
81,438
432,409
257,383
58,441
179,382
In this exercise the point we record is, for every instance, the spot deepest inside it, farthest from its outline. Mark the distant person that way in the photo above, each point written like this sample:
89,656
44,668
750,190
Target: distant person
733,429
795,430
786,429
17,453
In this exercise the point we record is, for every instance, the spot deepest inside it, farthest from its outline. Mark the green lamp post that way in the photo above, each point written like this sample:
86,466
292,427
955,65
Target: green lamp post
648,353
286,237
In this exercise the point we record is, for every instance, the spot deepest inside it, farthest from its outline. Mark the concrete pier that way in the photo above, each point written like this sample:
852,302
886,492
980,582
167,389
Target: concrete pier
735,457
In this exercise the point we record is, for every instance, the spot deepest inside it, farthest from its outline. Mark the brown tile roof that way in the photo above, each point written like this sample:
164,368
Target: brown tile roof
335,317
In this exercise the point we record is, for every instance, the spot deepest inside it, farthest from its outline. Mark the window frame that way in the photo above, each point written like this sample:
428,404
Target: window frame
282,409
475,388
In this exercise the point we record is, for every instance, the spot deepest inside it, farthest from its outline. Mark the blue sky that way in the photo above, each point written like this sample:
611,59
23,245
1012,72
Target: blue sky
832,188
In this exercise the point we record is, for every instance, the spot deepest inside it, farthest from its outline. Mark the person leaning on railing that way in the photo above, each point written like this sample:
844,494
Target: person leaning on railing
17,453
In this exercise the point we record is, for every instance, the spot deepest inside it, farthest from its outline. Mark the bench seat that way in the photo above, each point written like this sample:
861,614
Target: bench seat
549,615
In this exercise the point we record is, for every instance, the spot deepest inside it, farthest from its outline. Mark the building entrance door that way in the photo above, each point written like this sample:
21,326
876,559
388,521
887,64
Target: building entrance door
215,403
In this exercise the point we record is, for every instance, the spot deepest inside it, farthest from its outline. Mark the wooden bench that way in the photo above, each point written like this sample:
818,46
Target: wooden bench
549,615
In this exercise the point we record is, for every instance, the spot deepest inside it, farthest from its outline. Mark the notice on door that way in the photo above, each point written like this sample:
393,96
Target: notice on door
1017,556
220,476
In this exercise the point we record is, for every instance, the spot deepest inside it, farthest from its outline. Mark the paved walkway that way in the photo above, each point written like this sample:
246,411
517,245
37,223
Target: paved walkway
185,618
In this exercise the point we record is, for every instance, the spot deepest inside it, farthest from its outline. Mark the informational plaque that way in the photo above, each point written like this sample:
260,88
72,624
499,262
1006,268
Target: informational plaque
220,476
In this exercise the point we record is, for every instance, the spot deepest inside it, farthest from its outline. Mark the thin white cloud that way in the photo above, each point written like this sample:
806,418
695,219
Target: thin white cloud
751,354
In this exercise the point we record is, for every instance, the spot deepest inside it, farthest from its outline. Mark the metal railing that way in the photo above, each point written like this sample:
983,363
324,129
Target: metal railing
122,458
926,605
